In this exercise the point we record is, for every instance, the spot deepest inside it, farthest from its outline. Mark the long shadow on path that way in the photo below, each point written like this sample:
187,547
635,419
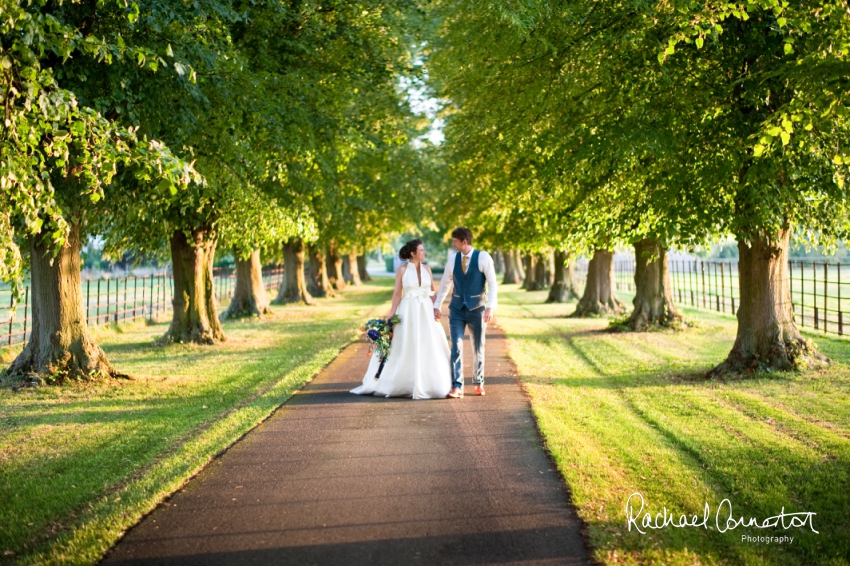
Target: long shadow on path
333,478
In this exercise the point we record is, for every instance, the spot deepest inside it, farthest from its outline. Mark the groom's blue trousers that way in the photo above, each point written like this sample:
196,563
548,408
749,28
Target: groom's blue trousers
459,319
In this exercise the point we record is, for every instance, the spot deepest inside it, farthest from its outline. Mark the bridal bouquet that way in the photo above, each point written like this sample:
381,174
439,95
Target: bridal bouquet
380,333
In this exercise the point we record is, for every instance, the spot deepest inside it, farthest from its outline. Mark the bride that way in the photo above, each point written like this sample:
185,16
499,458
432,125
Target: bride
418,365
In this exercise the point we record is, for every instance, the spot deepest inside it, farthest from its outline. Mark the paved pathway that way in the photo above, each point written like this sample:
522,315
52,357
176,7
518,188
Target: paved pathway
338,479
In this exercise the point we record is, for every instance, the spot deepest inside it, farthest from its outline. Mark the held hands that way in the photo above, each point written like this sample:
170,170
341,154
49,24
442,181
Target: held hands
437,315
488,315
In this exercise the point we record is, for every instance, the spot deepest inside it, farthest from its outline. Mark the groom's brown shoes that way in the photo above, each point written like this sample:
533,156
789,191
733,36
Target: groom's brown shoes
455,393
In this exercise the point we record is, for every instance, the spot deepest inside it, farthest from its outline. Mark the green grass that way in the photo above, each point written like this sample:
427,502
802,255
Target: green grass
625,412
80,464
621,413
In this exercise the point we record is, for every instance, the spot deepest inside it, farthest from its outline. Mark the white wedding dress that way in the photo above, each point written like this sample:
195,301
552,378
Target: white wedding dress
419,362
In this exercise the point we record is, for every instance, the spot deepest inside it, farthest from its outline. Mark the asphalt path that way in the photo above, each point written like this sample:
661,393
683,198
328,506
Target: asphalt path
339,479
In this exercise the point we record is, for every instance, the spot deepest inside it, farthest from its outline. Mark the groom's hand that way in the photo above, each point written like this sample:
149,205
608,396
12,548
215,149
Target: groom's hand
437,314
488,315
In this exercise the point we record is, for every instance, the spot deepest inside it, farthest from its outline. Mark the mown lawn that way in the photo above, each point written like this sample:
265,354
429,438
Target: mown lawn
79,464
624,413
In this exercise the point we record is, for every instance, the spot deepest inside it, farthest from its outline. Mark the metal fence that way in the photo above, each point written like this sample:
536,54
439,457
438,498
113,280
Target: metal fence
818,289
124,299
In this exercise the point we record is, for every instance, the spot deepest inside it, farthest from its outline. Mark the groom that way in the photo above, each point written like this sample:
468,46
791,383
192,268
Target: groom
466,271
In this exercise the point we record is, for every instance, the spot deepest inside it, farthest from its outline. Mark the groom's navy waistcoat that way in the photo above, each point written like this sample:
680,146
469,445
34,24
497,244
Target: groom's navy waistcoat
469,286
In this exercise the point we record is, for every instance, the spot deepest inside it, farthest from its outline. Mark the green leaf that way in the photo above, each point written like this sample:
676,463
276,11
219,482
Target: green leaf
838,160
699,42
789,49
786,137
758,150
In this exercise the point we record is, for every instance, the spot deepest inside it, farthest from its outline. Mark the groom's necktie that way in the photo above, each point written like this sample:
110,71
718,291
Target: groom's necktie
464,263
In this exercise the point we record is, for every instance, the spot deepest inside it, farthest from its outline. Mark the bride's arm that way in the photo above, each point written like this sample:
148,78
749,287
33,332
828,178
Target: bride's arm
397,290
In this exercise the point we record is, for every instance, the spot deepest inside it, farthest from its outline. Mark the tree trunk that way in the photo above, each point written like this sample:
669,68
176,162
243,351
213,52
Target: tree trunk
535,266
194,318
528,265
563,286
249,297
653,289
498,262
599,297
294,286
511,268
541,271
346,270
361,269
544,271
318,284
354,274
60,346
518,263
334,261
767,337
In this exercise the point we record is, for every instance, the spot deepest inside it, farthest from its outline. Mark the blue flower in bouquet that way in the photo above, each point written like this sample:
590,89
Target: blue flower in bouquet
380,333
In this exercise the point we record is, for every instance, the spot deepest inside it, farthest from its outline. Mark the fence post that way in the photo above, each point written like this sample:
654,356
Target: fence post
722,288
825,310
107,301
702,270
815,291
88,299
97,318
144,307
691,280
677,288
840,322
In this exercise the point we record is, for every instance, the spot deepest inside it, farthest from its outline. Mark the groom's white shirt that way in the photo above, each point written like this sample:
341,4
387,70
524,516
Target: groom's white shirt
485,265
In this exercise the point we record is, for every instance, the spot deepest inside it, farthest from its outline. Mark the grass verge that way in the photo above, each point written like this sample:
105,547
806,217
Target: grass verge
80,464
629,412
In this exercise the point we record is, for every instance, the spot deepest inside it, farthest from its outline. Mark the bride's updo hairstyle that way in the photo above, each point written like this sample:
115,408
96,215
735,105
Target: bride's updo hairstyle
409,249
